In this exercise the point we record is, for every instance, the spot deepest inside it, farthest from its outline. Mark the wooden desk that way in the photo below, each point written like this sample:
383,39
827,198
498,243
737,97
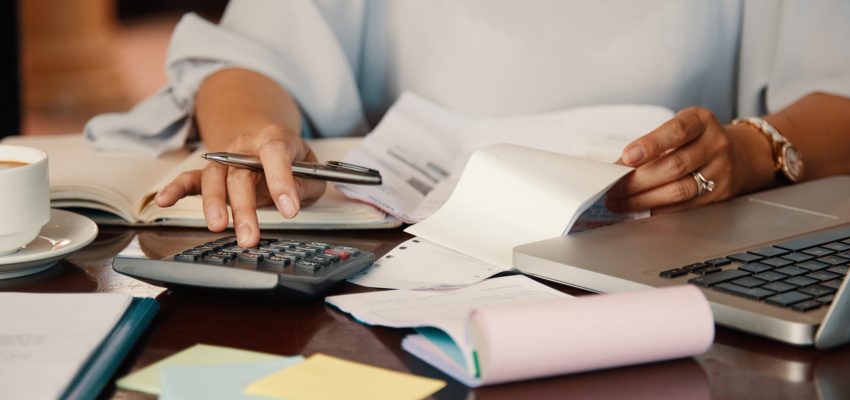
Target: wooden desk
736,366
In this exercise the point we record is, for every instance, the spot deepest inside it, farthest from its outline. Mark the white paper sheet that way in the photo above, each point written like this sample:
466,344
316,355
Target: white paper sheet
421,148
46,338
511,195
420,264
447,310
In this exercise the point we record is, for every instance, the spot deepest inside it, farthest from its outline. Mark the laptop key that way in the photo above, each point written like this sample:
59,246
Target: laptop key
807,305
839,269
720,261
833,260
798,257
826,300
818,251
801,281
755,267
823,276
814,240
813,265
777,262
707,270
770,251
771,276
750,293
818,290
748,282
786,299
745,258
699,265
791,270
835,284
779,287
837,246
673,273
719,277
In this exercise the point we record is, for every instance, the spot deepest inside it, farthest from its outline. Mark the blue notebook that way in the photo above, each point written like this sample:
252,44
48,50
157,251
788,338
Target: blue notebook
100,368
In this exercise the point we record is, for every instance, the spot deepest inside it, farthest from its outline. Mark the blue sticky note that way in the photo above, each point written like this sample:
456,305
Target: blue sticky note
212,382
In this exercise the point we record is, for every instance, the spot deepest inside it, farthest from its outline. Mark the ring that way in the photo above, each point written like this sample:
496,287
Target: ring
703,185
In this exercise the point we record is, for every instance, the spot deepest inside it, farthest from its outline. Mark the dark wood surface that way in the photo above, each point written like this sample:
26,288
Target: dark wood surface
736,366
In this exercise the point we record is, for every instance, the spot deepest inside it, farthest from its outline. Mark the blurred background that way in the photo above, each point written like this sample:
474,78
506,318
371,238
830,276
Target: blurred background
65,61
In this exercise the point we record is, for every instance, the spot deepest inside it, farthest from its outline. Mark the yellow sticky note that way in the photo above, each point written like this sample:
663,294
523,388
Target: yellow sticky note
147,379
326,377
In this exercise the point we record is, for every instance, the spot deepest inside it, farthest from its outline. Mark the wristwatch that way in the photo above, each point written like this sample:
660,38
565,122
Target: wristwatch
787,160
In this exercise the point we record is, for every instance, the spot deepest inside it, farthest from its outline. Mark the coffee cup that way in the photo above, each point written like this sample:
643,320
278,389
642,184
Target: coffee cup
24,196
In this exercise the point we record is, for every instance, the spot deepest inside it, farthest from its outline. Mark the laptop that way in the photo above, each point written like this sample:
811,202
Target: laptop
771,263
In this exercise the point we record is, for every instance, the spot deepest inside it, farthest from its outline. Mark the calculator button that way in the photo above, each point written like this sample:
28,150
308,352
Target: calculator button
214,259
308,265
319,245
250,258
329,257
353,250
227,255
307,250
277,261
323,261
342,254
300,254
186,257
292,258
199,253
261,252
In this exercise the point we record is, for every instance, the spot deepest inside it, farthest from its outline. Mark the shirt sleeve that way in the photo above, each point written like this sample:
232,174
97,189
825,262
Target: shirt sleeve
813,52
309,48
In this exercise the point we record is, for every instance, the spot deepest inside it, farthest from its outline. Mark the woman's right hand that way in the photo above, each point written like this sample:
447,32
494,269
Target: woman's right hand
245,189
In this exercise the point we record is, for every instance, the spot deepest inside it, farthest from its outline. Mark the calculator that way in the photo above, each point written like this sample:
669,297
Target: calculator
302,270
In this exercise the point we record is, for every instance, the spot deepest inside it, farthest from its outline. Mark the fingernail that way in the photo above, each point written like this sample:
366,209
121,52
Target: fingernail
242,234
213,215
286,206
633,155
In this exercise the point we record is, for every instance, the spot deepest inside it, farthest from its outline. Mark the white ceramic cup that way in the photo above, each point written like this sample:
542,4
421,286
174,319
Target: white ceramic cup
24,197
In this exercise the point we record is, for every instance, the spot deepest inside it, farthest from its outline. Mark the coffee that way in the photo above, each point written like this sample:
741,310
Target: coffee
7,164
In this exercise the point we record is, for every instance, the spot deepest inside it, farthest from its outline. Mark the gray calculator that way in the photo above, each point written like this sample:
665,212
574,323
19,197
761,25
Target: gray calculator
298,269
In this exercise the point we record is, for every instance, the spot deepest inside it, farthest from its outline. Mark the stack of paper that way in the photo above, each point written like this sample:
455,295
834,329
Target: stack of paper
477,188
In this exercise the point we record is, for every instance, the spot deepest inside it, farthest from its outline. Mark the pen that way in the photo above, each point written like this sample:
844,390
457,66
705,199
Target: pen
336,171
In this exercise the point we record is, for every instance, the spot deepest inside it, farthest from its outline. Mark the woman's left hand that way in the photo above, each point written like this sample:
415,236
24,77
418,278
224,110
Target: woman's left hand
668,159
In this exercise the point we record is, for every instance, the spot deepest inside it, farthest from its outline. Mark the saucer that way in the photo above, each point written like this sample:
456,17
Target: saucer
65,233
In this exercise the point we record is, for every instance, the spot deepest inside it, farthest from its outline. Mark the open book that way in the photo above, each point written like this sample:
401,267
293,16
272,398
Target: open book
121,187
513,328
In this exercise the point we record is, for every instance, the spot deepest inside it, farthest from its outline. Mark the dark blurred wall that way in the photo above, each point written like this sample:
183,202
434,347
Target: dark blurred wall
210,9
10,90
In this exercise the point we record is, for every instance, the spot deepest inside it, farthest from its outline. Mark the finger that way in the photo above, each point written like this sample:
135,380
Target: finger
686,126
186,184
277,167
214,194
241,184
679,194
668,168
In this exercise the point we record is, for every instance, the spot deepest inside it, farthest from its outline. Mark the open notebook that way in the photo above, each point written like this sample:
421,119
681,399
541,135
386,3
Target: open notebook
121,187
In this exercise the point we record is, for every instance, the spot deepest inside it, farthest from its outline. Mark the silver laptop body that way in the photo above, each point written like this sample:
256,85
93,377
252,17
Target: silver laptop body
631,256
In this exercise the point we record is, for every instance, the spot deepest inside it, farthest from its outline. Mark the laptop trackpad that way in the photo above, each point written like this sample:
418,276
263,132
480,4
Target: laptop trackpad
746,221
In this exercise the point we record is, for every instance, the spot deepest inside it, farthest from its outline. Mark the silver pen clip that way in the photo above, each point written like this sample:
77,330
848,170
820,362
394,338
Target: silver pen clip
352,167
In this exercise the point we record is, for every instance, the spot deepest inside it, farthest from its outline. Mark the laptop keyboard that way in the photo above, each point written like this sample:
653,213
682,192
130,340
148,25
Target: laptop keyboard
801,274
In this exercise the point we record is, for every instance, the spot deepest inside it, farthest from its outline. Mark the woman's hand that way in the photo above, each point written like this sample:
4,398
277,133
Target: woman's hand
736,158
245,189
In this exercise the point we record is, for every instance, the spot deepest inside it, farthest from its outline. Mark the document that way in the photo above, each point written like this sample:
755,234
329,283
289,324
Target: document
325,377
420,264
421,148
46,338
513,328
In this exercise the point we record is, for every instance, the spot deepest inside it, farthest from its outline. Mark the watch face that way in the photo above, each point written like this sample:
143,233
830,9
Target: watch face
792,163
